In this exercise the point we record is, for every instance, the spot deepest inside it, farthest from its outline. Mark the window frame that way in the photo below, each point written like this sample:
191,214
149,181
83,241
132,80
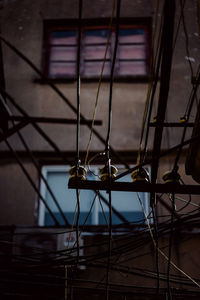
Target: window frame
71,24
65,168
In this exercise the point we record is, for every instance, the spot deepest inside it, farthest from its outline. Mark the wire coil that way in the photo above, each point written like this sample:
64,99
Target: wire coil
77,173
140,175
104,171
171,177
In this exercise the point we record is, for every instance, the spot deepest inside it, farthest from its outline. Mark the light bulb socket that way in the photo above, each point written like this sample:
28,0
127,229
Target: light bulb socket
77,173
171,177
140,175
105,174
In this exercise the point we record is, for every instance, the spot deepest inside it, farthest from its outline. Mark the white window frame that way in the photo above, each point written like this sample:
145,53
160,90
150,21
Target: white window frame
65,168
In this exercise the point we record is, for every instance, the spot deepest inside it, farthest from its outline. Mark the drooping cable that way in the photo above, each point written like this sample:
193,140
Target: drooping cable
165,153
189,202
161,252
170,246
157,246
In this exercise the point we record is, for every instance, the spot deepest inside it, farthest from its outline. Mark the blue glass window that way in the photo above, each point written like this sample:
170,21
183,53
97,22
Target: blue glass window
126,203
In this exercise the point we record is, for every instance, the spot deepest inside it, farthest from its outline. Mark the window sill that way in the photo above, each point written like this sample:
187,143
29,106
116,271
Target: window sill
128,79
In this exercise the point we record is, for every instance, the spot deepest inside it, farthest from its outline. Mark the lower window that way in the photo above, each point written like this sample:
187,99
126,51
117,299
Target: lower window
126,205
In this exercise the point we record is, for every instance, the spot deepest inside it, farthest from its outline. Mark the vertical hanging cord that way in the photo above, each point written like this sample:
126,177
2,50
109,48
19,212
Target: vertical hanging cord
112,79
99,83
170,246
78,124
78,84
107,148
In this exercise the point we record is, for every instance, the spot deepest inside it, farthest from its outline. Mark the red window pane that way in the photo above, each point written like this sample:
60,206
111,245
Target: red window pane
131,52
96,52
63,53
93,69
140,38
132,35
98,36
62,69
132,68
63,37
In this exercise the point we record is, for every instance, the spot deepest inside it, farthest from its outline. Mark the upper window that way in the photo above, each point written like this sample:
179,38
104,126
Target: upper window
60,49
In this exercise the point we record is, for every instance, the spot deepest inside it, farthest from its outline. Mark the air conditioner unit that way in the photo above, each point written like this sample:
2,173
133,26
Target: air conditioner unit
67,241
46,241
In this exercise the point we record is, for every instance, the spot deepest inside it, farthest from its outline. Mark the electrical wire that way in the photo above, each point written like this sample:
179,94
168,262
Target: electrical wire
107,144
187,202
78,124
187,116
182,4
148,106
162,253
172,196
164,153
157,246
78,85
99,83
105,218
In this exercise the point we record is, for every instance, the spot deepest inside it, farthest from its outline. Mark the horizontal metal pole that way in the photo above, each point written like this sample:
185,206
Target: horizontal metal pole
173,124
54,120
134,187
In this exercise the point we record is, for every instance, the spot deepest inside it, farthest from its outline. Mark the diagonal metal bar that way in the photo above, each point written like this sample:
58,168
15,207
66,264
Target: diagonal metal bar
120,216
52,143
3,111
62,96
38,128
35,163
13,130
32,182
